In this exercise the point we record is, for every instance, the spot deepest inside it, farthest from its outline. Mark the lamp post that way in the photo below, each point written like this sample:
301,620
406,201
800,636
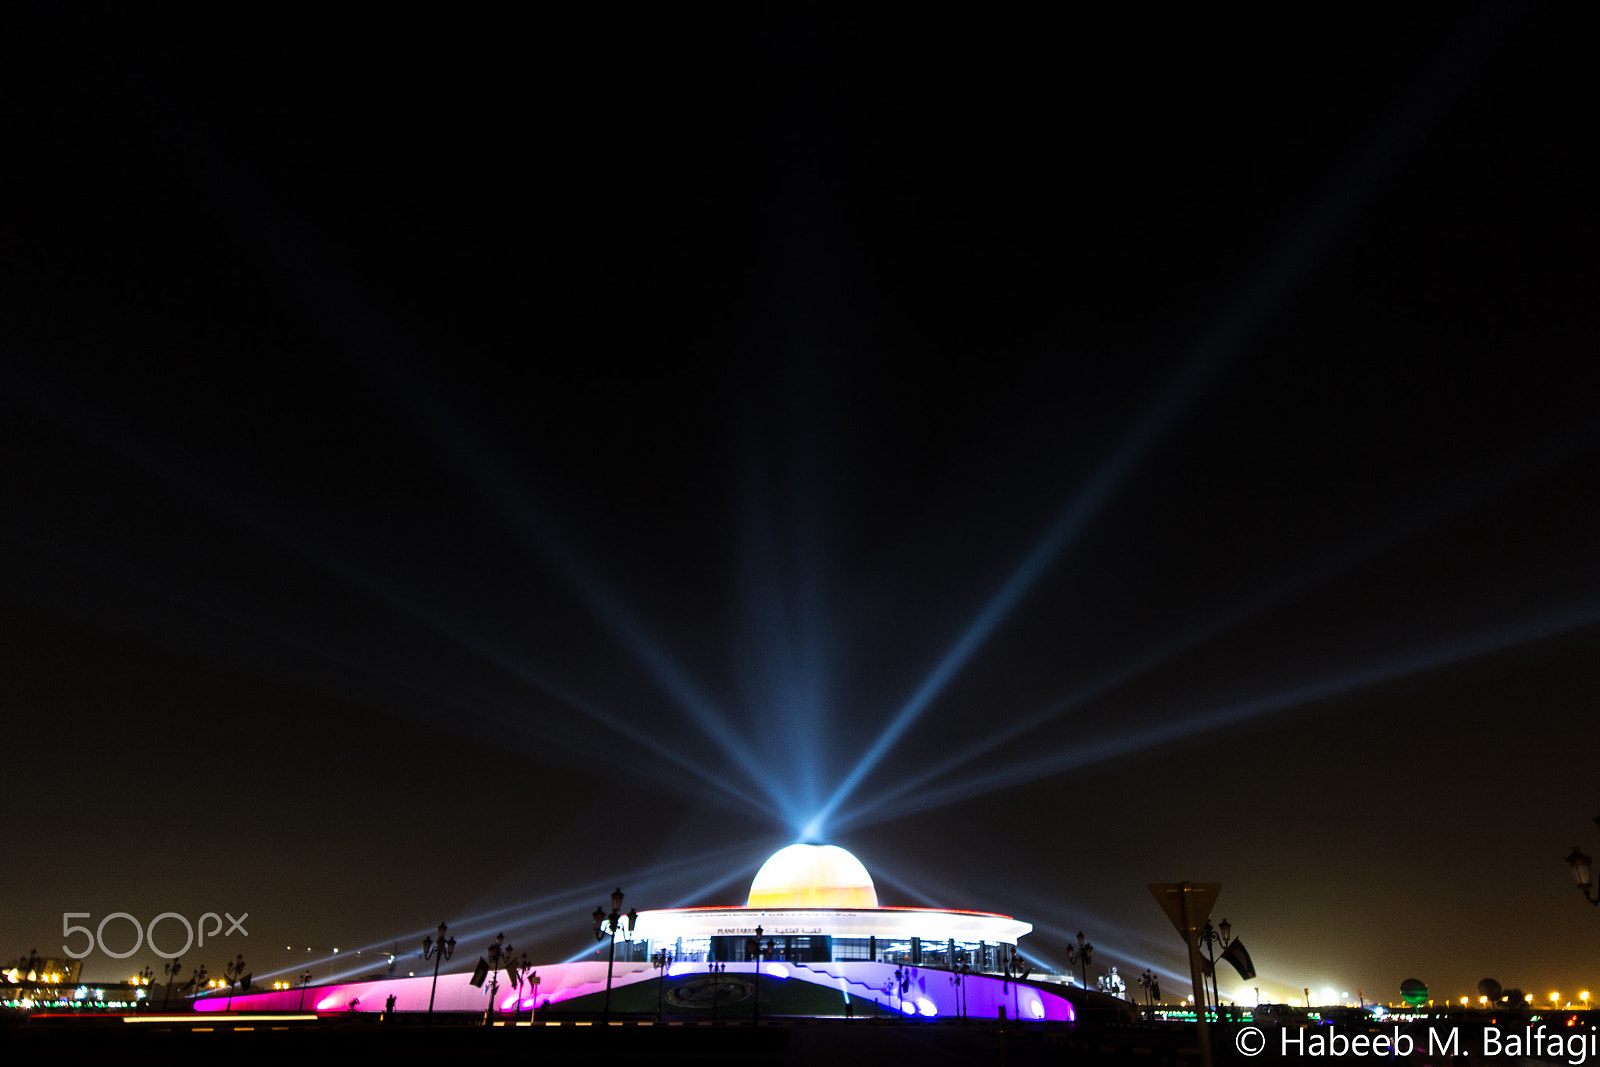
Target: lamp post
755,949
716,969
901,985
235,973
173,971
1151,983
1582,871
1083,954
522,974
1210,938
499,954
305,980
603,924
1017,969
532,979
661,961
958,978
439,950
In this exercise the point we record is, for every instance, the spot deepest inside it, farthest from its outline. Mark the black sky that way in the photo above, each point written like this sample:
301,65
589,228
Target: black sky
366,383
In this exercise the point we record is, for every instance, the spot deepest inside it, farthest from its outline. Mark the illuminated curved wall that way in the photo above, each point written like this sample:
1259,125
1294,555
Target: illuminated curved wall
922,992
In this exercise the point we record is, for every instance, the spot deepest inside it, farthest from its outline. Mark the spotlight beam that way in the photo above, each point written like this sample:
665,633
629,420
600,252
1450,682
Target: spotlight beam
176,475
555,909
311,272
1339,564
785,674
679,901
1180,728
1391,142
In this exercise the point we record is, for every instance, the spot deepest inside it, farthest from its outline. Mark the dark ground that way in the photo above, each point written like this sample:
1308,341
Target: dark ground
365,1038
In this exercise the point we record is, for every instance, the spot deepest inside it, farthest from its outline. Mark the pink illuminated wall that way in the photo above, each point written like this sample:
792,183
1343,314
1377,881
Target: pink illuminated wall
557,982
919,991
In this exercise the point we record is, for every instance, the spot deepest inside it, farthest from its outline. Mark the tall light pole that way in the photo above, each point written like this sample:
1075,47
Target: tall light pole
1151,983
235,973
661,961
756,949
522,973
1016,970
305,980
1582,870
1082,954
173,971
440,950
1210,937
499,954
603,924
716,968
533,981
958,978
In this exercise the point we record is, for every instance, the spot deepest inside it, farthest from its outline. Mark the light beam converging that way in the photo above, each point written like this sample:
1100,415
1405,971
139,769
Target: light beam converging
180,477
371,337
1189,725
785,674
1351,187
699,892
1337,565
561,915
534,526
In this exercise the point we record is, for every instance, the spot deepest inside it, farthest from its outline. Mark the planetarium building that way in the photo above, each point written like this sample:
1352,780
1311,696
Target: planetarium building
817,904
811,925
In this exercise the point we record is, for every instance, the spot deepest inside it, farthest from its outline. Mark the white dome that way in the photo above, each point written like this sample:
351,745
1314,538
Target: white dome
812,876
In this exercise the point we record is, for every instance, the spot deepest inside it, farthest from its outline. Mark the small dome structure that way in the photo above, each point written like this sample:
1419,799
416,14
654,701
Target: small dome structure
812,876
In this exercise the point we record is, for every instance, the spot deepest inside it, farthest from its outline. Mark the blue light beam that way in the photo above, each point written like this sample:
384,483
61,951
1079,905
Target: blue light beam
1336,565
310,272
1177,729
1352,186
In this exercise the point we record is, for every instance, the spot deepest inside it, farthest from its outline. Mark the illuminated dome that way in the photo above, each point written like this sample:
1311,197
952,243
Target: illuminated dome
812,876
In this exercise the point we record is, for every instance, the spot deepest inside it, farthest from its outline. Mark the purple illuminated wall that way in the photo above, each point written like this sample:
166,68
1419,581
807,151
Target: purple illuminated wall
927,993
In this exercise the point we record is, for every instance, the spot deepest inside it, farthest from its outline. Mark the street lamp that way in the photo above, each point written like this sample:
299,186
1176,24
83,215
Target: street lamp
1017,969
1151,983
603,924
1210,937
661,961
499,956
235,974
756,949
173,971
1582,872
958,978
716,969
1083,954
305,980
439,950
531,979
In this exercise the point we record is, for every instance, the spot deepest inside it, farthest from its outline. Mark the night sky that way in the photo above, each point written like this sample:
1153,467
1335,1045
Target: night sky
454,468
